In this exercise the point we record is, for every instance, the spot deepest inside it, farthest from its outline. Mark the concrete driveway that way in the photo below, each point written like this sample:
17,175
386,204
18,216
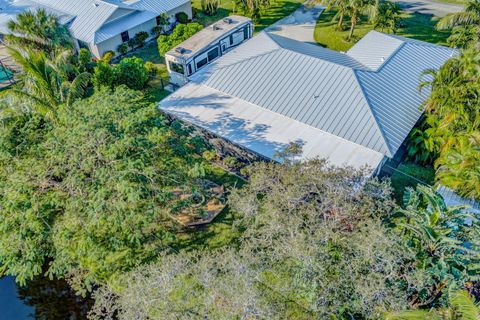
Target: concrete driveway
300,25
429,7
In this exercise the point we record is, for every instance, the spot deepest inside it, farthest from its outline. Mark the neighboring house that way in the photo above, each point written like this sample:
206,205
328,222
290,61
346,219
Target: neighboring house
99,25
206,46
353,108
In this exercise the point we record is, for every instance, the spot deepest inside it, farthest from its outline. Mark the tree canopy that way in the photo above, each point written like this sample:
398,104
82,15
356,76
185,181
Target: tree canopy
87,196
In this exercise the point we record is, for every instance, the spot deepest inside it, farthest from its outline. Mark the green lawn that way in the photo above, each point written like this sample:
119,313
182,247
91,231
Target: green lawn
462,2
415,25
409,175
278,9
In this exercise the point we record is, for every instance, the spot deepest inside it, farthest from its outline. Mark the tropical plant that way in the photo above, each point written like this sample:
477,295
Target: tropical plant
464,36
356,8
388,16
459,166
38,30
466,25
210,7
446,242
342,10
47,84
421,145
470,16
461,307
452,114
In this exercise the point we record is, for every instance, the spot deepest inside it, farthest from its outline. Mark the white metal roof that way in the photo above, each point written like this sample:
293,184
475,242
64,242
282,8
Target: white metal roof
261,130
365,96
89,16
368,96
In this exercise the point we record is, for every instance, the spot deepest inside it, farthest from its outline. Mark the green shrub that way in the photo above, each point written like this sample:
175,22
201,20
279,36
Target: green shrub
85,60
132,72
123,48
152,68
107,56
104,75
156,31
181,33
140,38
182,17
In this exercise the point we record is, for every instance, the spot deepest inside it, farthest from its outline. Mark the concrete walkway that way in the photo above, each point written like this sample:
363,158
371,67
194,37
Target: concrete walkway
300,25
429,7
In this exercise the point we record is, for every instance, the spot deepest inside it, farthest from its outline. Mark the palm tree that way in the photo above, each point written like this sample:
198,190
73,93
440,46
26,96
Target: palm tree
48,84
461,307
342,9
356,8
470,16
38,30
387,16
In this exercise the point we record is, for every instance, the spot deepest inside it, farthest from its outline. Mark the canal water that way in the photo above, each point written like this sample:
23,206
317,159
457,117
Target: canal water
41,299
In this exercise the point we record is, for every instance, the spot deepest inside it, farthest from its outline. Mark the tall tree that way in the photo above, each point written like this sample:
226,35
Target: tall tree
87,197
38,30
356,8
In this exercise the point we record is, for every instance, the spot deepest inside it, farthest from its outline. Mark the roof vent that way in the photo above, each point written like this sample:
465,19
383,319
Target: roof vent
96,5
180,50
227,20
215,27
383,59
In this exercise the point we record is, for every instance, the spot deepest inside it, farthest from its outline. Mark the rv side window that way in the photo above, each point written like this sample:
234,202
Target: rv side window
176,67
189,69
202,62
245,32
213,54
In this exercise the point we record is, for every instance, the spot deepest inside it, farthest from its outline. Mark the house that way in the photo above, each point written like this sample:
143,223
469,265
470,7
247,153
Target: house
99,25
206,46
354,108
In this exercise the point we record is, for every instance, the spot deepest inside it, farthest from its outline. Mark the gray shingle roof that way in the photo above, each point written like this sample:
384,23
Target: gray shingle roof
368,96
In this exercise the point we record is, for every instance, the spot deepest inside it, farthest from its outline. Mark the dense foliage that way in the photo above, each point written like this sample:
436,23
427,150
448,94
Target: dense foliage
88,195
131,72
453,122
181,33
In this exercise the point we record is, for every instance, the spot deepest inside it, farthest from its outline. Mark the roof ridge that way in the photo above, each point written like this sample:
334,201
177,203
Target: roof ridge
372,112
320,48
